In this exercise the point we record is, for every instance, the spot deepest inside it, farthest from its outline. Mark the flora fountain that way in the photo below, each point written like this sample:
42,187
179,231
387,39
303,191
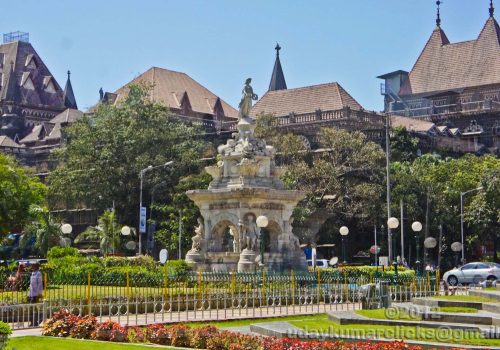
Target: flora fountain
246,222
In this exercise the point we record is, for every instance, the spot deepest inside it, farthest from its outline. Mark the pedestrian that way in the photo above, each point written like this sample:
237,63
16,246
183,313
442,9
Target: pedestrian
36,284
34,294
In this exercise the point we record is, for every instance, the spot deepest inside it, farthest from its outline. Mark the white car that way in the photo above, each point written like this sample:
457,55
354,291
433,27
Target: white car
474,272
320,263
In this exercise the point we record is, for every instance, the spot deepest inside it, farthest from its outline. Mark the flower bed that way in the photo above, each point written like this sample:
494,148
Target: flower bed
65,324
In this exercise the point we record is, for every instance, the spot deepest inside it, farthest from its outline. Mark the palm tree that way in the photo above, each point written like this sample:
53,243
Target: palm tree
44,230
107,232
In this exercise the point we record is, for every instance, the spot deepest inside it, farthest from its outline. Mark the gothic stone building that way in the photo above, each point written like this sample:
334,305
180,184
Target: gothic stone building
184,96
454,85
32,103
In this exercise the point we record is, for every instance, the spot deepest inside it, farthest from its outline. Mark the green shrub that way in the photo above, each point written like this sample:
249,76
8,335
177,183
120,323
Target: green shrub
177,267
61,252
5,329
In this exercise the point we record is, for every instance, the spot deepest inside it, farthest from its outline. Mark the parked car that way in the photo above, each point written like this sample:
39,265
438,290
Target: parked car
320,263
473,272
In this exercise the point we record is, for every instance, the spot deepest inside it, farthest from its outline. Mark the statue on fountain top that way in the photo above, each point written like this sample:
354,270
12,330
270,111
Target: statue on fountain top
246,100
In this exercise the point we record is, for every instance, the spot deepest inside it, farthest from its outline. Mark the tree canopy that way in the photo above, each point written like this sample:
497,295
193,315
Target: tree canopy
105,152
18,191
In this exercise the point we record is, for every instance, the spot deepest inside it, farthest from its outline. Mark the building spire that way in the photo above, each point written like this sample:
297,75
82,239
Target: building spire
277,78
69,96
438,18
492,9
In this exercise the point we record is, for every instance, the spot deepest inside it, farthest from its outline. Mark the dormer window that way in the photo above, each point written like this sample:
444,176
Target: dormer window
26,82
48,85
30,62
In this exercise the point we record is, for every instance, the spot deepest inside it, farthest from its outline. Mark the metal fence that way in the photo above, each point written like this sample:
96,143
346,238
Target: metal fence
137,299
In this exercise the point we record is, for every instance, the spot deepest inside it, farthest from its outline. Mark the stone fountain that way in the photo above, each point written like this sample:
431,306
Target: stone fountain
246,209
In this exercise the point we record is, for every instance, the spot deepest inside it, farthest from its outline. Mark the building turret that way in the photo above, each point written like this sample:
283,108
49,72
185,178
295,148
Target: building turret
69,96
277,78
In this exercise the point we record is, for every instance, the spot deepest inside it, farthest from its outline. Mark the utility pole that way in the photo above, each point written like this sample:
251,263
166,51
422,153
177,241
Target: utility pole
180,234
387,160
402,232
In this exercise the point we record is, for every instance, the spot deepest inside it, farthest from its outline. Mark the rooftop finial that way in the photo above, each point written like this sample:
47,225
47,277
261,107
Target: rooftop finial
492,9
69,73
277,48
438,18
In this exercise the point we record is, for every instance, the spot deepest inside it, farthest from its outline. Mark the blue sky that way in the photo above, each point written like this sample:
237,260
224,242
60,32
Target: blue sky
222,42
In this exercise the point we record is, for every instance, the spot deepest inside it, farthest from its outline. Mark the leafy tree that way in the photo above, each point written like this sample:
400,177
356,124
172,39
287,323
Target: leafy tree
483,212
44,230
18,191
105,153
107,233
345,178
404,146
168,219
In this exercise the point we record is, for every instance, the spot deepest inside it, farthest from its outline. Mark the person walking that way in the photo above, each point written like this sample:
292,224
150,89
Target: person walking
36,284
34,294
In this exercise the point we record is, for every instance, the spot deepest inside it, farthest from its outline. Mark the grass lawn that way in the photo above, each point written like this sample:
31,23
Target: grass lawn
323,326
471,298
455,310
47,343
389,314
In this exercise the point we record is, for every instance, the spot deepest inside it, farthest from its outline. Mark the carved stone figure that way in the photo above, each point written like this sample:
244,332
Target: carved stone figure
246,100
251,233
200,233
236,240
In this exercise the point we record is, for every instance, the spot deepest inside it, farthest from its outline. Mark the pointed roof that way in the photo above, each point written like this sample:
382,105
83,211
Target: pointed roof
325,97
277,78
68,116
68,95
38,133
446,66
169,87
22,54
6,141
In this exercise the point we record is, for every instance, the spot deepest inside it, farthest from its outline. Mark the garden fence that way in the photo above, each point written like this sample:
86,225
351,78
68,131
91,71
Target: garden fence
136,299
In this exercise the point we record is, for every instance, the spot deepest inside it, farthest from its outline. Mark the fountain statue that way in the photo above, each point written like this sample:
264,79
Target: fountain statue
245,187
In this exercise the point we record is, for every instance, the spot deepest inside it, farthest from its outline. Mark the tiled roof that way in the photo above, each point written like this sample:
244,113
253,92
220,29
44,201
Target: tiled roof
169,87
38,133
20,54
307,99
68,116
445,66
412,124
6,141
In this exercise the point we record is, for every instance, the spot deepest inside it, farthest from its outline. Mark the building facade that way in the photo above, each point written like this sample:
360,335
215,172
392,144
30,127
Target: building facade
454,85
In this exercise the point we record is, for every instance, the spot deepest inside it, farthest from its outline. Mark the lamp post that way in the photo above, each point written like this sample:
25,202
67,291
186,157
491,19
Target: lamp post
462,194
344,231
66,229
429,243
262,222
141,175
456,247
392,223
388,184
417,227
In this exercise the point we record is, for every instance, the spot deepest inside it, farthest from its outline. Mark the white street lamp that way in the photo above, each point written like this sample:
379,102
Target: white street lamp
416,226
66,229
344,231
262,221
393,223
125,230
456,247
